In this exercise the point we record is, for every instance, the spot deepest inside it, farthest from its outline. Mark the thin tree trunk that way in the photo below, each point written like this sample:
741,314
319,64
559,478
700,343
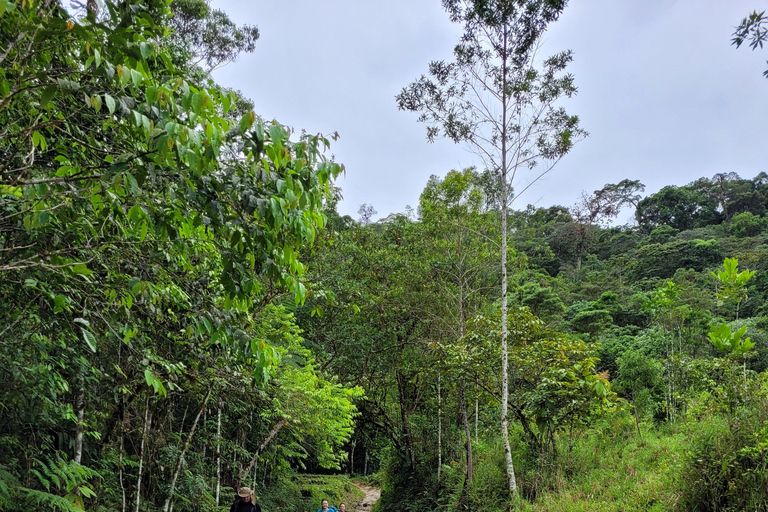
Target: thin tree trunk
80,424
406,426
255,474
439,427
365,467
462,394
205,421
477,419
180,462
467,431
352,458
144,443
218,454
504,356
637,423
120,461
280,424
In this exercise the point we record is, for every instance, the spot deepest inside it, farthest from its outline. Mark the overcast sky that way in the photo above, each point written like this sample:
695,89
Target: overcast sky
665,97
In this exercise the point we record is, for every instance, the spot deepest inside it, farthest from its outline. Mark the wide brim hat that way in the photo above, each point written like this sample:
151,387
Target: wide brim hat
244,492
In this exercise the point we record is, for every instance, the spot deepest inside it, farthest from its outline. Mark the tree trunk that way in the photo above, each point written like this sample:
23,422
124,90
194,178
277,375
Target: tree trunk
504,356
180,462
406,427
467,431
477,419
439,427
144,443
352,458
280,424
365,467
80,425
218,454
120,461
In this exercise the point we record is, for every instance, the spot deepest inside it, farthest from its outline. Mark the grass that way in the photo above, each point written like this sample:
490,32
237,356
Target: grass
613,473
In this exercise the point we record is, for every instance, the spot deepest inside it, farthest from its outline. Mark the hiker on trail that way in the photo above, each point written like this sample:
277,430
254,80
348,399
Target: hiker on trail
325,508
342,507
245,501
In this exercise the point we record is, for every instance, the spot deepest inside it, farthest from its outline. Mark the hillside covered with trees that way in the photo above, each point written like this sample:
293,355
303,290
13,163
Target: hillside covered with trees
184,311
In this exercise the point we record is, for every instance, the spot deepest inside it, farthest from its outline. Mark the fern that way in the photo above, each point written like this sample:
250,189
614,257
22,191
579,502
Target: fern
62,486
8,486
45,500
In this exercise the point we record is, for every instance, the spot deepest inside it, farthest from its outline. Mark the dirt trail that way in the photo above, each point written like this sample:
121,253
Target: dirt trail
372,495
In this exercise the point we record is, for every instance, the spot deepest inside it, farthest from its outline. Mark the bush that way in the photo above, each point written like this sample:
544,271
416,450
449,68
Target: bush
727,466
747,224
663,260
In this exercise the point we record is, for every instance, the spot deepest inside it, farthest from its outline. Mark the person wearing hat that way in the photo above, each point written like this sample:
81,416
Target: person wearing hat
245,501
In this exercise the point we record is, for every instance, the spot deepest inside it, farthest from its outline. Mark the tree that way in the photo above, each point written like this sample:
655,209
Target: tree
207,38
638,374
494,99
679,207
753,29
600,207
460,247
145,222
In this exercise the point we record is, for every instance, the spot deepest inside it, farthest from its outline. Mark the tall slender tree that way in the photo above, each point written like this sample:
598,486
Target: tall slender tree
501,100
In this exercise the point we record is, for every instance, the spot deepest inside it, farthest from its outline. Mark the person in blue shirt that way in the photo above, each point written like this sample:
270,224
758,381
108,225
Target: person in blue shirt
325,508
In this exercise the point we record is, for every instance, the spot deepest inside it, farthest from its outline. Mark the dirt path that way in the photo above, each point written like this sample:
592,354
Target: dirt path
372,495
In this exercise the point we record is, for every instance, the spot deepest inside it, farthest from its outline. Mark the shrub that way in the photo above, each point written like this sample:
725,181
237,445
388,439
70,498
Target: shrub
726,468
747,224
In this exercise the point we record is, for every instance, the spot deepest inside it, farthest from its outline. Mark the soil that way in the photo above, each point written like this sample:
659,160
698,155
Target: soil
372,495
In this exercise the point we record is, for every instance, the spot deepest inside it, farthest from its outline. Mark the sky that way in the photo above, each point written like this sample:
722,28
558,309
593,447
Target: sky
665,97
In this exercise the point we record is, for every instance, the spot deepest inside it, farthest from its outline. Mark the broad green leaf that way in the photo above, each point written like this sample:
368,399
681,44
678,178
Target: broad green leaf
6,6
90,339
59,302
82,269
145,49
136,77
136,213
48,93
110,101
82,321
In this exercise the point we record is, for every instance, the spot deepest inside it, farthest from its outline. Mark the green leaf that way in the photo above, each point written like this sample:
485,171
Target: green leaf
197,102
90,339
111,104
145,49
82,269
96,102
136,77
6,6
135,213
59,302
82,321
207,324
48,93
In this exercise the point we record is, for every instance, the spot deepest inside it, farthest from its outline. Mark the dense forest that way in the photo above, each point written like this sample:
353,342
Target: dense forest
183,311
